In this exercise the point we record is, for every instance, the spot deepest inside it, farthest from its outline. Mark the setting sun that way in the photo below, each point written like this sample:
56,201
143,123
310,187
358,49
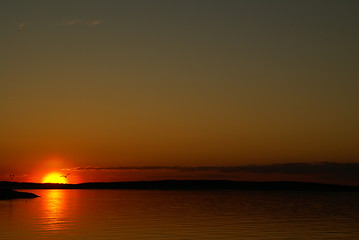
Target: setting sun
54,177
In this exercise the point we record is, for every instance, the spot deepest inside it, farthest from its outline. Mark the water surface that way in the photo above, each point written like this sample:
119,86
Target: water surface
141,214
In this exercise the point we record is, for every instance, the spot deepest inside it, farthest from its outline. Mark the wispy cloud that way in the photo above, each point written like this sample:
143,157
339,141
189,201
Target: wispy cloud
331,172
287,168
80,22
69,23
94,22
21,26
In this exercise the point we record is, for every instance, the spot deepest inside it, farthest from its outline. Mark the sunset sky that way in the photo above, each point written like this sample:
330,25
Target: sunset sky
115,90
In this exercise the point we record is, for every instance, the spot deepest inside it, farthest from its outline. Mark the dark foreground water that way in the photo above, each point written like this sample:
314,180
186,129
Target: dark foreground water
174,215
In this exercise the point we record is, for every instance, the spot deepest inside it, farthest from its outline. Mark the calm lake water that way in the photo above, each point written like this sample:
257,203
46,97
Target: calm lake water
140,214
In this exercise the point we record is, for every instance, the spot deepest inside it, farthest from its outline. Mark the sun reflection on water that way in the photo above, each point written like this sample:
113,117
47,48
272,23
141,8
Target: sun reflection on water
55,214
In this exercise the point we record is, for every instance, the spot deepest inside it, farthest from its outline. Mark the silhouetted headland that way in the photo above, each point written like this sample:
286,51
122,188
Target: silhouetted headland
192,185
12,194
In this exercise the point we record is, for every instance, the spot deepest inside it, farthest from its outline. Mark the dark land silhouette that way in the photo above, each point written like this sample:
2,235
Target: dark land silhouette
189,185
12,194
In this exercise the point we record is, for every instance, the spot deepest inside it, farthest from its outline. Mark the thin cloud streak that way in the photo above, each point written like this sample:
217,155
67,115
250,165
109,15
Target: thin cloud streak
286,168
69,23
73,22
94,23
329,172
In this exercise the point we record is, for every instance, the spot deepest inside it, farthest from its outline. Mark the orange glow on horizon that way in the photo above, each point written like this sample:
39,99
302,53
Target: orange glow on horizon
54,177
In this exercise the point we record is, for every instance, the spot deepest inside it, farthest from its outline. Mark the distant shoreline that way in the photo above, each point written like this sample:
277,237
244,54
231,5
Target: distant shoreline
190,185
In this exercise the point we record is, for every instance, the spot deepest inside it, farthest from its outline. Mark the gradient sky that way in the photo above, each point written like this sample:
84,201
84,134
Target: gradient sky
176,83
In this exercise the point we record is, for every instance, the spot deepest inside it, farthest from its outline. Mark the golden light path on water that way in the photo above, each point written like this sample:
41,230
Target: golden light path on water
54,209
